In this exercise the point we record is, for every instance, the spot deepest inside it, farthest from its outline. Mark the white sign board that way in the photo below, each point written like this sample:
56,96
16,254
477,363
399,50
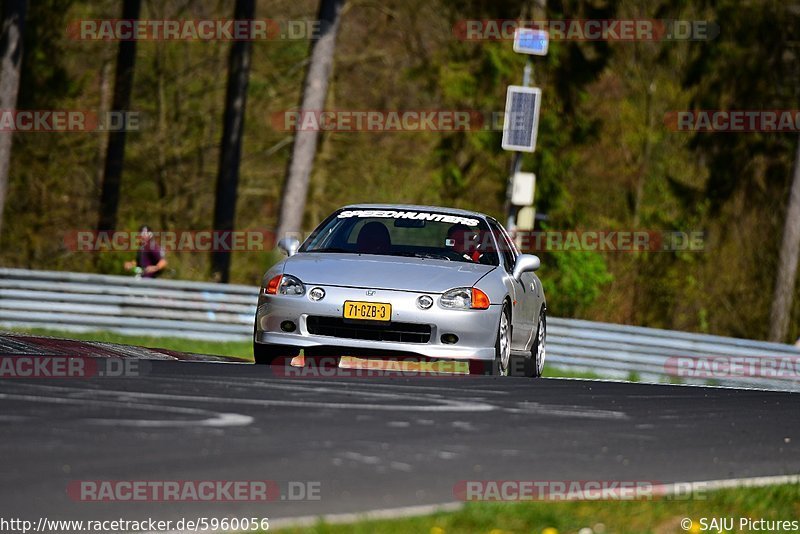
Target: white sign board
521,118
526,218
531,41
523,186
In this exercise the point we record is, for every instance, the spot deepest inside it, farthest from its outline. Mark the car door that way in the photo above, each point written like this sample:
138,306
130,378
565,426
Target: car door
524,299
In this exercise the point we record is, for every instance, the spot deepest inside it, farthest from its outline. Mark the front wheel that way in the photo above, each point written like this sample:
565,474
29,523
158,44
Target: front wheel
502,350
271,354
502,347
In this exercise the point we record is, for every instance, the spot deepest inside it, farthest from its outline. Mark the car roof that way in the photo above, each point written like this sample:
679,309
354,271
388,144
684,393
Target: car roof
416,207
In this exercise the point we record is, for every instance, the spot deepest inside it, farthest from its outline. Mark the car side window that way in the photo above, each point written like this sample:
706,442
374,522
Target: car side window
512,245
507,248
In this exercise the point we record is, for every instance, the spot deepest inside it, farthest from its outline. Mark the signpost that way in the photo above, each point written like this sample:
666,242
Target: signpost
522,122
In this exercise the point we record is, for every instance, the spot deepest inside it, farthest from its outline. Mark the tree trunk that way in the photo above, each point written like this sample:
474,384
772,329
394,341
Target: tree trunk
787,262
231,145
315,90
102,144
10,63
115,153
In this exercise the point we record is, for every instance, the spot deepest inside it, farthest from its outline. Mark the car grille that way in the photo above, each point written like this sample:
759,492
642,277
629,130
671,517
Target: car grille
399,332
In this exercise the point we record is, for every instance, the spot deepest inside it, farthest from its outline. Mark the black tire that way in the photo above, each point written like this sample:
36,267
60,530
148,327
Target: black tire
536,366
498,368
270,354
495,367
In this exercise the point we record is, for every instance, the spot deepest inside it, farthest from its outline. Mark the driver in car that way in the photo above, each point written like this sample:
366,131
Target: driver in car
464,240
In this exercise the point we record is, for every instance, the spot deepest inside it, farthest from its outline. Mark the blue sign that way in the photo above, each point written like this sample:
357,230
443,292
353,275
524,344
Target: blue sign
531,41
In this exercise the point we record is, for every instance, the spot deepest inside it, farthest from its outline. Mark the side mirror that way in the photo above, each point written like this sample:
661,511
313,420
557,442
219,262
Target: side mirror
289,245
526,263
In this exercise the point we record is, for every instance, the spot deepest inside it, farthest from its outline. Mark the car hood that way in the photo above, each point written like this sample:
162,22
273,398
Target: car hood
383,272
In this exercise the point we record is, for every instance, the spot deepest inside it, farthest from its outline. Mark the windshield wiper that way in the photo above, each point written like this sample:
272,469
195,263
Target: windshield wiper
424,255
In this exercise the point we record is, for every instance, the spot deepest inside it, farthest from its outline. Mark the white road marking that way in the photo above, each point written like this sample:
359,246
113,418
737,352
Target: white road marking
400,466
373,460
566,411
681,488
370,515
435,402
278,382
432,404
219,420
526,407
215,420
13,418
362,458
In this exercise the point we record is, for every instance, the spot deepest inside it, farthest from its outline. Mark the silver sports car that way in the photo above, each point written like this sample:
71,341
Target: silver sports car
386,279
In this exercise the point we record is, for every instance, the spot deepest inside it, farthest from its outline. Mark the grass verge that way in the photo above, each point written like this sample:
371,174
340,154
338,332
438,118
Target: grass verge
773,503
237,349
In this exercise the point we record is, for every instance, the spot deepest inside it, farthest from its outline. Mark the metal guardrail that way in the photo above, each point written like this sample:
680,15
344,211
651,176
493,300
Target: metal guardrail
80,302
214,312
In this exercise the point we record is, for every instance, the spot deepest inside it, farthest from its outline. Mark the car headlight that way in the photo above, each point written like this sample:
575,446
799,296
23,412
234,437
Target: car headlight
464,298
285,284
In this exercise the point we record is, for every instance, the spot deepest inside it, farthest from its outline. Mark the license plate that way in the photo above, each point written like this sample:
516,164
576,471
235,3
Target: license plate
368,311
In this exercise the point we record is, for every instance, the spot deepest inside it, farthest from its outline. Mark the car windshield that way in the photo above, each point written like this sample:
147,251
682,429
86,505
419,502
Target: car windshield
412,233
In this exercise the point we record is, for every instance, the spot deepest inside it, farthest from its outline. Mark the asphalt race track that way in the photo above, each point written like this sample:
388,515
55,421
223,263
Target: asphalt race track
369,442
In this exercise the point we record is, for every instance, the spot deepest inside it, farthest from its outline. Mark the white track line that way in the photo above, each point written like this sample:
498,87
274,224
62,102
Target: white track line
371,515
729,483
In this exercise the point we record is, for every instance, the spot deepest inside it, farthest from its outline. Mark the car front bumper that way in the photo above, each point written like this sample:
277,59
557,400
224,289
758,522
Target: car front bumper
476,329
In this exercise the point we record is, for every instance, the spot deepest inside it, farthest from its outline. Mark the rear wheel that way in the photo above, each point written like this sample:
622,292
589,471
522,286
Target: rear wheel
539,345
271,354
